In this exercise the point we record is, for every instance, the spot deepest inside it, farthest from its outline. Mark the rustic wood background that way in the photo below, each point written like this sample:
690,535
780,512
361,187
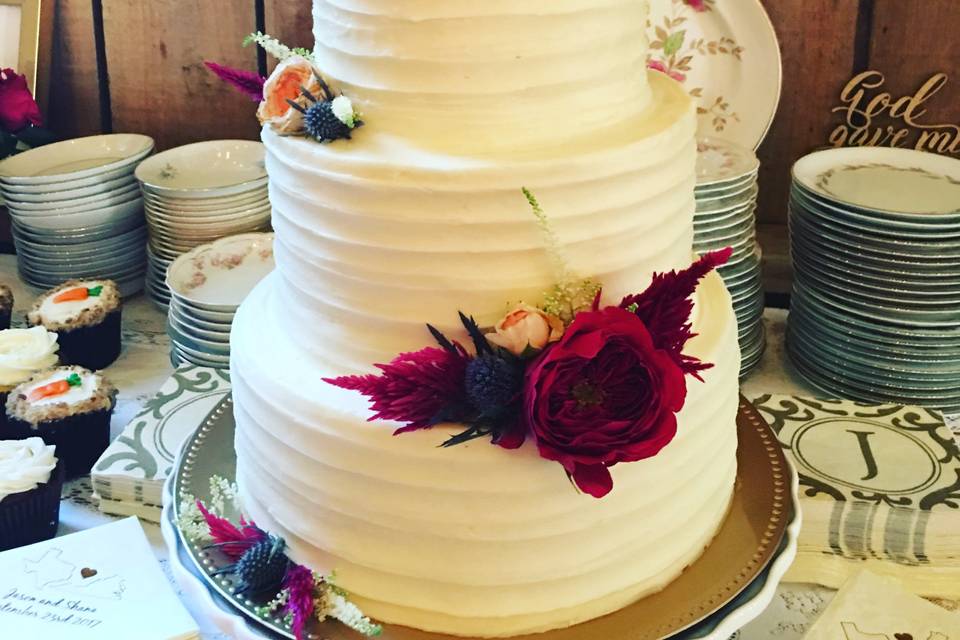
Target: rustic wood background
121,65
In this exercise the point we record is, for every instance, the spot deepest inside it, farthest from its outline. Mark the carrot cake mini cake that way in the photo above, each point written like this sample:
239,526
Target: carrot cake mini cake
69,407
85,314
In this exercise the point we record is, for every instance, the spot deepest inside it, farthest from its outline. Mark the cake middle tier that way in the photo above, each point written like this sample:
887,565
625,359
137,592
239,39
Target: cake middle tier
374,237
454,74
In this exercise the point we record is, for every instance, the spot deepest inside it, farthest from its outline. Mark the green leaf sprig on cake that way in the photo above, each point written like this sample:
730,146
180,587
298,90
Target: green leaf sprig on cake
592,386
262,569
295,99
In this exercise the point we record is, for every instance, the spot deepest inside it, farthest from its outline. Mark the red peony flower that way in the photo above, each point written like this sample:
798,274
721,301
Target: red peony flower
601,395
17,106
697,5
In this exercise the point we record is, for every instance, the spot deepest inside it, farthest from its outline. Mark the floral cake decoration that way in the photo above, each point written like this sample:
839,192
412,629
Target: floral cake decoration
261,568
591,385
295,99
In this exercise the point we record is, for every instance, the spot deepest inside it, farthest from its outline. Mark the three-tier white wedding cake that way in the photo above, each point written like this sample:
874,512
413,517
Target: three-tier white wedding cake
420,215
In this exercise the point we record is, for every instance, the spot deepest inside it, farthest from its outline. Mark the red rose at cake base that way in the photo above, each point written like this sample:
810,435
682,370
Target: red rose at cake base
603,394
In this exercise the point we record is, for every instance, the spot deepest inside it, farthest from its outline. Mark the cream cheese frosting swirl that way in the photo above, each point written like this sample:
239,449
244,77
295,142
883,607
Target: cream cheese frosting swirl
23,352
24,465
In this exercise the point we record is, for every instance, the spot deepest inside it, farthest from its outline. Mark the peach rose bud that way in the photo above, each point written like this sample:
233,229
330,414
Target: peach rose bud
525,328
283,84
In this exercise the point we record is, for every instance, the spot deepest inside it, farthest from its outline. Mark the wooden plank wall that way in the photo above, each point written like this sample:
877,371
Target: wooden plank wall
151,77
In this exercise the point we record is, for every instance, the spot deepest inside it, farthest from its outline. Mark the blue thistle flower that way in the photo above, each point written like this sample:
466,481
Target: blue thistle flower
493,383
329,117
321,124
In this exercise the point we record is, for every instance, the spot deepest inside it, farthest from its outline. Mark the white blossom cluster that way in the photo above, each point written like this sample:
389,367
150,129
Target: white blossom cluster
274,47
191,521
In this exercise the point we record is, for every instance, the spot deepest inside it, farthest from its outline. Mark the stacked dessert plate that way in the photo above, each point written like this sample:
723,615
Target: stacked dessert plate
207,285
726,195
197,193
875,241
76,210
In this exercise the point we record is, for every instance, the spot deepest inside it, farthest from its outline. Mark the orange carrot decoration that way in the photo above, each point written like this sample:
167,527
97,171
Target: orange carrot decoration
77,293
57,388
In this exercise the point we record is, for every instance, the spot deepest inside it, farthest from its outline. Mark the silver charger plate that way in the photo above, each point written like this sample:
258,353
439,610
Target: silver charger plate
209,451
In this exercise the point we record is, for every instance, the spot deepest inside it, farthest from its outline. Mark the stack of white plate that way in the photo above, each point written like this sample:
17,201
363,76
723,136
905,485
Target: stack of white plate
76,210
875,239
207,285
726,195
197,193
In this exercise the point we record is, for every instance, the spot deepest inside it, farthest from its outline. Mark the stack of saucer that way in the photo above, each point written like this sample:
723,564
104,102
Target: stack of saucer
875,240
207,285
726,195
197,193
76,210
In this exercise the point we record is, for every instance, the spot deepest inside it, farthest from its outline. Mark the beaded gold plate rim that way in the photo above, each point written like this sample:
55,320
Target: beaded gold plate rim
742,548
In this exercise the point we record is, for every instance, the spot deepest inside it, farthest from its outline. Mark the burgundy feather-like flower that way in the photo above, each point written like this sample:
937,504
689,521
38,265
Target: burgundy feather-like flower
421,388
300,585
665,308
248,83
234,541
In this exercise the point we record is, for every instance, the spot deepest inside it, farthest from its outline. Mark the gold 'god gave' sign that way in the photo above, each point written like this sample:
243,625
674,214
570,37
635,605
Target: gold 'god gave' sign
863,104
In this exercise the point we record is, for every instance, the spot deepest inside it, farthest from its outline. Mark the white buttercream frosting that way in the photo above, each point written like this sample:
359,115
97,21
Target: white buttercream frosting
89,384
470,75
60,312
93,393
23,352
69,314
24,465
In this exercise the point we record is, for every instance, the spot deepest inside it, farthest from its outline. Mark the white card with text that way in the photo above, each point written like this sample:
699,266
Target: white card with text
92,585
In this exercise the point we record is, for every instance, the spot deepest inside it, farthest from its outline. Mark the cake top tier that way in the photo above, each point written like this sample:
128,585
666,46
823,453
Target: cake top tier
475,74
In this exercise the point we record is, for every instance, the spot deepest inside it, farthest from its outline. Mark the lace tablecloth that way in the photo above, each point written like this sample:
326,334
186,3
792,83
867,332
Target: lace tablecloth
144,365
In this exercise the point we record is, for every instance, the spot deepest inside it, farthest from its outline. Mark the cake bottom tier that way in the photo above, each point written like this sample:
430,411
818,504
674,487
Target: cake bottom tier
473,540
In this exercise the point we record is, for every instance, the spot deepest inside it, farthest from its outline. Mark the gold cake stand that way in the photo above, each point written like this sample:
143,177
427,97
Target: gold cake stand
745,543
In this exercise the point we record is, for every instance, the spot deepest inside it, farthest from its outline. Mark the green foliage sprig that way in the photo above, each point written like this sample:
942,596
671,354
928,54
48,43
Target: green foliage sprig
570,294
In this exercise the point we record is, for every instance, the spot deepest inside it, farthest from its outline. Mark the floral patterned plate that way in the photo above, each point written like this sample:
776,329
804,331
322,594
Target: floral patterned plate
218,276
725,53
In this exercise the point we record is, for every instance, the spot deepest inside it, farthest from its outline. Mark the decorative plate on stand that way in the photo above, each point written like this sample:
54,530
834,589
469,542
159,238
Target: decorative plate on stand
730,584
726,54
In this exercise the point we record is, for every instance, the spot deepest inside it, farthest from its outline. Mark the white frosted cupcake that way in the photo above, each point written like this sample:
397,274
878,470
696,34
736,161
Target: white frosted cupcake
69,407
24,352
31,477
85,314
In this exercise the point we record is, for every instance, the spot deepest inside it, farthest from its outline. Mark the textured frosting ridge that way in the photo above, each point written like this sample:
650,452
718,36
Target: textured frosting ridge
468,75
